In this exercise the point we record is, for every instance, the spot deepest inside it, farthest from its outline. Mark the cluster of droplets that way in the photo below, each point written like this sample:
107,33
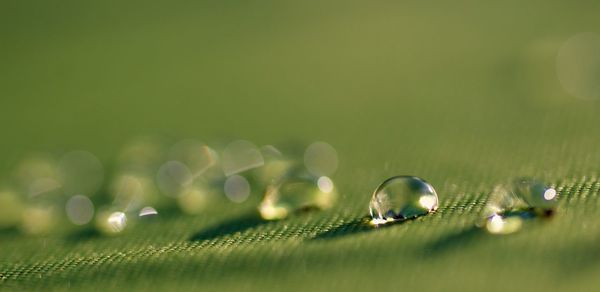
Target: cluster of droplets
149,174
508,207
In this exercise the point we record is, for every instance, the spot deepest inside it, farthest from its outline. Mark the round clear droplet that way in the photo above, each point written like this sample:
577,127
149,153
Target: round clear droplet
402,197
321,159
240,156
237,188
535,193
80,209
298,193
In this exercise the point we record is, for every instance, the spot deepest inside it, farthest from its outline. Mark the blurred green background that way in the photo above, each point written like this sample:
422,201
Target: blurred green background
465,94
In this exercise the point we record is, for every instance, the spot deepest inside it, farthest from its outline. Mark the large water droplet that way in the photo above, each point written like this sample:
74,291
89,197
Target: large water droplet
402,197
295,194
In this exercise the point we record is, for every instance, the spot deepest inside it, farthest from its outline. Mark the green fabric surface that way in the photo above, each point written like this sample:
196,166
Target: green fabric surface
463,94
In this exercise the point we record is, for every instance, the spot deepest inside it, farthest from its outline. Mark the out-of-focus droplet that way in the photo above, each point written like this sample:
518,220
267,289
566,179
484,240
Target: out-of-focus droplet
39,220
196,198
80,209
11,209
81,173
197,156
578,64
147,211
111,222
37,175
142,155
321,159
276,166
500,200
499,224
295,194
173,177
240,156
400,198
131,191
237,188
535,193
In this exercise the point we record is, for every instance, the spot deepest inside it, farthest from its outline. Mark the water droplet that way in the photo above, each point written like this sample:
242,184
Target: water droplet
196,198
80,209
37,175
502,224
111,223
237,188
131,191
275,167
240,156
295,194
197,156
321,159
11,209
147,211
39,220
173,177
535,193
402,197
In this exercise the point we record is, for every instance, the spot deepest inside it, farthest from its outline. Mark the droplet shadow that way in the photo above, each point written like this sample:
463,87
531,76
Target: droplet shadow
454,241
356,226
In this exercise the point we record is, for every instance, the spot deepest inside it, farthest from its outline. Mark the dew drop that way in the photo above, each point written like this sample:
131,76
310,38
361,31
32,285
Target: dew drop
237,188
295,194
402,197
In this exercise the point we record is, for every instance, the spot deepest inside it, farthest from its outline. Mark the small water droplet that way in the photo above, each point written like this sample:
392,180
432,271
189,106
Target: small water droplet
111,223
173,177
402,197
147,211
237,188
535,193
80,209
295,194
502,224
321,159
